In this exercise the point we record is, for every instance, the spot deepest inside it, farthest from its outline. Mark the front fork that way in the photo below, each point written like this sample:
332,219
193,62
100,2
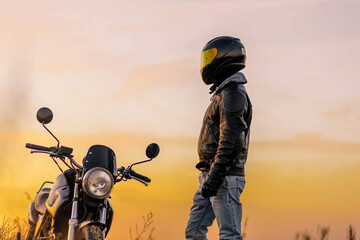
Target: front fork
74,222
103,212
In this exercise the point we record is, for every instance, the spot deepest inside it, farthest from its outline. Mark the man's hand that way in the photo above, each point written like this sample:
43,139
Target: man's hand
208,191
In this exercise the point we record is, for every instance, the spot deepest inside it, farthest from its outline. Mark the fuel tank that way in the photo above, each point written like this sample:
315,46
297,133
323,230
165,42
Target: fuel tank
37,206
59,194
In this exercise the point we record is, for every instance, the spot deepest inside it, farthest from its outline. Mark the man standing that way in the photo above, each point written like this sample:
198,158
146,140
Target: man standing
223,142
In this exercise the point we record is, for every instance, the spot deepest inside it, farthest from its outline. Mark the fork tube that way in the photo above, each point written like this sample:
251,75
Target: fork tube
73,222
103,212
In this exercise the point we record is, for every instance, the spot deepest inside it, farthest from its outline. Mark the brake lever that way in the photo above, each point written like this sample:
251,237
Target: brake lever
120,171
139,180
125,175
39,151
51,154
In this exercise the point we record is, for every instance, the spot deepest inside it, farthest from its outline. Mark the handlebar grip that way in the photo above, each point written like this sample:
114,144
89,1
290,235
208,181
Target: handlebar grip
37,147
139,176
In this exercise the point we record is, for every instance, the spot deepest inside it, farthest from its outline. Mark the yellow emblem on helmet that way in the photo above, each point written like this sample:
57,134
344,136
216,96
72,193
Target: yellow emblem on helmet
207,57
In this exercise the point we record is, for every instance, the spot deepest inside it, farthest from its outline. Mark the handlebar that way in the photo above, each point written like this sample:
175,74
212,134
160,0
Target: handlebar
139,176
65,151
60,152
37,147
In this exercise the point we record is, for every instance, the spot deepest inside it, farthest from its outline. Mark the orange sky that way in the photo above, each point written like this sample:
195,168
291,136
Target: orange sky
292,184
126,73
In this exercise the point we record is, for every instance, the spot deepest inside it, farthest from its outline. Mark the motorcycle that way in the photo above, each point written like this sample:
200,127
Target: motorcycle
77,206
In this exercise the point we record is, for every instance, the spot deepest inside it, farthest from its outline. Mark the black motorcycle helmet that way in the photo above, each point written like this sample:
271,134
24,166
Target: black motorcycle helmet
220,58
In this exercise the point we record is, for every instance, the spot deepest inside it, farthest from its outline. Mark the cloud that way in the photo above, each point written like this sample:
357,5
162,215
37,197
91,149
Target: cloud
168,74
312,141
300,55
346,113
17,85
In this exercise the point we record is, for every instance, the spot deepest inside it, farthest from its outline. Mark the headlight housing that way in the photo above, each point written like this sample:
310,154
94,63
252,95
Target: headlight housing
98,182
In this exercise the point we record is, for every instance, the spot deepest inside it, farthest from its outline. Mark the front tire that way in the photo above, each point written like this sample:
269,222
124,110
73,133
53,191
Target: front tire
92,232
31,232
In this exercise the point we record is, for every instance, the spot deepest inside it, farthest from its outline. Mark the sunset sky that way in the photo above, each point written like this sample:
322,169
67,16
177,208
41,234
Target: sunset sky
127,73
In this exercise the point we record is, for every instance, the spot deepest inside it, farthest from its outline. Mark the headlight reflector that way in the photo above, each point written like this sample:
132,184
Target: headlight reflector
98,182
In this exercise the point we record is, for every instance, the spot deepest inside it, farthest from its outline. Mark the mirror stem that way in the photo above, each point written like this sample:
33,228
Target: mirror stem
140,162
52,135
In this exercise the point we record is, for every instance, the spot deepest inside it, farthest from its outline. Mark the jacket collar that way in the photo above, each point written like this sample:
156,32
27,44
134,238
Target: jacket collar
238,78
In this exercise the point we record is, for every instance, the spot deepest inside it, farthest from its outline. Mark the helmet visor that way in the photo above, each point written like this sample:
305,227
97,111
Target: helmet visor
208,56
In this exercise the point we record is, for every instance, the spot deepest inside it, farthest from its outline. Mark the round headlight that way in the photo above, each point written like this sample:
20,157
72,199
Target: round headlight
98,182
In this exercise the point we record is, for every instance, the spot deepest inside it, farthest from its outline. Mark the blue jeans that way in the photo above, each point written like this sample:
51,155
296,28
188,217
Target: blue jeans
225,207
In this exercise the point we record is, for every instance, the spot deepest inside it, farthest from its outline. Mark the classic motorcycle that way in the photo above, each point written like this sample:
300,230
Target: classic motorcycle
77,206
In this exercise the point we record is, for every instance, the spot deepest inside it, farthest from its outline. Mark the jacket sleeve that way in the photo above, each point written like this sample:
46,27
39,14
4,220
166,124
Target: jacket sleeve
232,123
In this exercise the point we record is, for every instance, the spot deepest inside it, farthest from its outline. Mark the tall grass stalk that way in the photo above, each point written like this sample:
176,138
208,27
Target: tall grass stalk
244,228
9,228
146,228
351,233
323,234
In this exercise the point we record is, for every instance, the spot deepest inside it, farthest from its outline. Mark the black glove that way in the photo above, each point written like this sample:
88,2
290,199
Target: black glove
208,191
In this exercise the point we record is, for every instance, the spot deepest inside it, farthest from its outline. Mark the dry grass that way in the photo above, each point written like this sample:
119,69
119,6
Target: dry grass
146,229
10,228
243,232
351,233
323,234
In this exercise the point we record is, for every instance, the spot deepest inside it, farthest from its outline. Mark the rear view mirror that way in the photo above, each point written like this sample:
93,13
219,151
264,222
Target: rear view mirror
44,115
152,150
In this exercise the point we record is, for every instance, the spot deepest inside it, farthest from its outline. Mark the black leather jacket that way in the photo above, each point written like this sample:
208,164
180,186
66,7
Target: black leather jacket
224,138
